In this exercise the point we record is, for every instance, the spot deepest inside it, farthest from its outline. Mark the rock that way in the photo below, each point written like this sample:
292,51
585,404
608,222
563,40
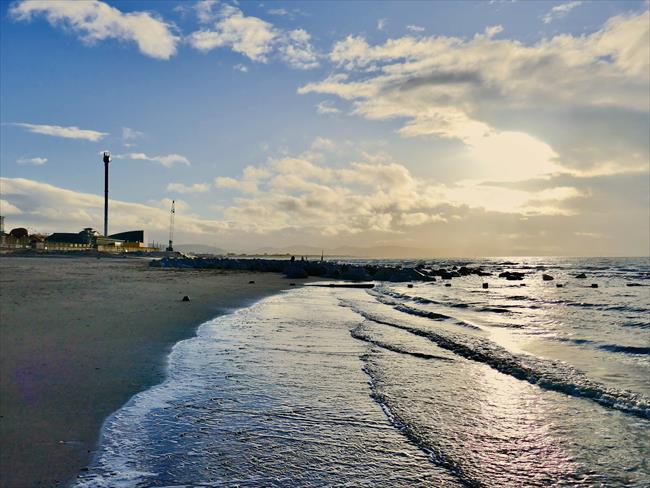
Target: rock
410,285
559,285
594,285
485,285
522,284
546,277
292,284
251,282
295,271
512,275
634,284
581,276
447,284
186,299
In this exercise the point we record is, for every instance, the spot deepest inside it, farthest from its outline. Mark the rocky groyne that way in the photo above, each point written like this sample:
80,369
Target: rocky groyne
322,269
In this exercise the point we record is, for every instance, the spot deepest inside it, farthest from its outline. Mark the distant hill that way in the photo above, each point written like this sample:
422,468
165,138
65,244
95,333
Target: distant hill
198,249
351,251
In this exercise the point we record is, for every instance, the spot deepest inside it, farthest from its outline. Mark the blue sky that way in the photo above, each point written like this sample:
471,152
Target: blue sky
449,127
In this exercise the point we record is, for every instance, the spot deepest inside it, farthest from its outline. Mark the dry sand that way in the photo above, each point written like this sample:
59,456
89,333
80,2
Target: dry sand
79,337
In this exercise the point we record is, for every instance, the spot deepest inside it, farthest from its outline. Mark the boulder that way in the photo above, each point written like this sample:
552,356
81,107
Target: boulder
581,276
546,277
295,271
512,275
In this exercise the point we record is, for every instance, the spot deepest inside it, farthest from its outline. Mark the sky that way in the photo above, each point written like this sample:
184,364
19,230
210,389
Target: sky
493,128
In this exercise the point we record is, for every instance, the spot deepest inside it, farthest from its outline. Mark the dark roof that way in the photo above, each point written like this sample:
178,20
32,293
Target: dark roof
129,236
69,238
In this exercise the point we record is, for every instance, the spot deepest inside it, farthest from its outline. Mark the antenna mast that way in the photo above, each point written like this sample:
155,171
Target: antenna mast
171,226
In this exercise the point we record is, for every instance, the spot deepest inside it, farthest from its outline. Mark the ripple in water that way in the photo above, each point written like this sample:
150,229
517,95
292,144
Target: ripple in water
430,386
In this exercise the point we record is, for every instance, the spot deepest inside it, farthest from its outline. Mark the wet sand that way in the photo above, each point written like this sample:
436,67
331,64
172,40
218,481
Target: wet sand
79,337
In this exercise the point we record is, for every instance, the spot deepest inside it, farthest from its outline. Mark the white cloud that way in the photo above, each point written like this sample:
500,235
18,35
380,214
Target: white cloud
381,24
256,39
296,50
250,36
48,208
205,10
166,160
560,11
415,28
129,135
195,188
326,108
323,144
241,68
278,11
35,161
493,30
460,89
72,132
95,21
296,192
7,208
245,186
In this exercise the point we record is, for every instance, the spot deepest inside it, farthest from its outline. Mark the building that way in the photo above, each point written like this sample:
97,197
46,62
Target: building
69,241
132,240
85,240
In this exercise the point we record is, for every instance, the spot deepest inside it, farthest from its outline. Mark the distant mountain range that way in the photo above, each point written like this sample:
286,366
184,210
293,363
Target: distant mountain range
352,251
199,249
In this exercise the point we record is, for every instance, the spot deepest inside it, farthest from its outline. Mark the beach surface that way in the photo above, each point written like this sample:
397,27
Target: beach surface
80,336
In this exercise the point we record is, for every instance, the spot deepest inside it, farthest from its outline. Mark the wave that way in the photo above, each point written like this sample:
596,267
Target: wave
640,325
640,350
402,307
625,349
359,333
548,374
438,456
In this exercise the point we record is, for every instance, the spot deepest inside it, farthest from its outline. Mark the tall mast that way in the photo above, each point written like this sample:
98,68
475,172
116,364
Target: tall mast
171,226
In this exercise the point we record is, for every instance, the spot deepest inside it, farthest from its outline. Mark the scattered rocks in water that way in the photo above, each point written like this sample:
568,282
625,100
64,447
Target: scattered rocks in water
447,284
410,285
559,285
634,284
546,277
485,285
185,299
581,276
522,284
594,285
251,282
292,284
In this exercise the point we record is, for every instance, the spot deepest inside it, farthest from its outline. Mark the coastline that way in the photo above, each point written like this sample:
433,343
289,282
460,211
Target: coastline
80,336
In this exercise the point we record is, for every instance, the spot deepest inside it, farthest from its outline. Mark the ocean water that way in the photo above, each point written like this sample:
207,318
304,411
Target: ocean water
426,385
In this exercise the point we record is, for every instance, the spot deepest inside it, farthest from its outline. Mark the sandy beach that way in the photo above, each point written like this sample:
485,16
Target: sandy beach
79,337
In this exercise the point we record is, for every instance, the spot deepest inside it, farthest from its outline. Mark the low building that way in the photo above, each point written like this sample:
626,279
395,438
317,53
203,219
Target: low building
70,241
132,240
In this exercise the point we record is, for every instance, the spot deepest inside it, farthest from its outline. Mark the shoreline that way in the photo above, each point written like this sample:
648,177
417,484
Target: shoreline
80,337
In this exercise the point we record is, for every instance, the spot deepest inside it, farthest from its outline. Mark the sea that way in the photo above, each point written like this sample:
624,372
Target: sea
520,384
